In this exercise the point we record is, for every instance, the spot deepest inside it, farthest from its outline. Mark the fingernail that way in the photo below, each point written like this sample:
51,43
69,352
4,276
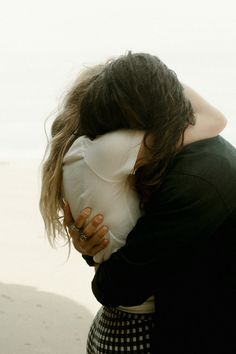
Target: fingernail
99,217
87,211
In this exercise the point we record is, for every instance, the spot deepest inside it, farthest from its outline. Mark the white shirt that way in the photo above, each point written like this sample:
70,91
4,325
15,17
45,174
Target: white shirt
95,174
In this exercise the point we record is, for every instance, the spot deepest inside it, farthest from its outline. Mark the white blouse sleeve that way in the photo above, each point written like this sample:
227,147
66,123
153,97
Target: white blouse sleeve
113,155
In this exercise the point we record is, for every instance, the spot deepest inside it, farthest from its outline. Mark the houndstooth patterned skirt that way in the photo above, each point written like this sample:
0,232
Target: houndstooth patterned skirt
115,331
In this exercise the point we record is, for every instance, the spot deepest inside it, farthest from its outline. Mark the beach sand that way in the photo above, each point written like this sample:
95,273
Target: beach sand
46,304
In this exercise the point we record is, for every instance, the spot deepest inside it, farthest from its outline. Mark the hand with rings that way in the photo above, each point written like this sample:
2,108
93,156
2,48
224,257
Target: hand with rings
87,239
82,236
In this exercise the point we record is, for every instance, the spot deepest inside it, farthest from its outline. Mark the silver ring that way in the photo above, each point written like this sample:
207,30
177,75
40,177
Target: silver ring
73,227
83,237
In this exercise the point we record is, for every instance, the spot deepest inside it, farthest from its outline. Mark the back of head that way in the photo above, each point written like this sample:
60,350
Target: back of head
134,91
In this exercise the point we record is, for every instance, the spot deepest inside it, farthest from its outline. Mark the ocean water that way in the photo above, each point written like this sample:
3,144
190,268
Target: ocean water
45,45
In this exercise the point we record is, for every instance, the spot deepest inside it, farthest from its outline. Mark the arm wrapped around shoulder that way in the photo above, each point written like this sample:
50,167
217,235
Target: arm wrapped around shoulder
209,120
181,218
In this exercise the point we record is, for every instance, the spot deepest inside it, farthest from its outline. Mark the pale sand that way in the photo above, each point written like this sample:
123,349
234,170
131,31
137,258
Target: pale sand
46,304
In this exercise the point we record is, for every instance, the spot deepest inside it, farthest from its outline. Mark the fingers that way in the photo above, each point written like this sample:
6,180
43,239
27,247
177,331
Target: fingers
95,240
94,244
92,227
82,218
94,231
98,248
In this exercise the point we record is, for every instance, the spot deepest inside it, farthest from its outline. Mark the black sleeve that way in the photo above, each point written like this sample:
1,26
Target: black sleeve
89,260
184,214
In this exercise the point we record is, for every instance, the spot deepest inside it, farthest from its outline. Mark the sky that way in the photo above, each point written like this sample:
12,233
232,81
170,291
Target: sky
44,45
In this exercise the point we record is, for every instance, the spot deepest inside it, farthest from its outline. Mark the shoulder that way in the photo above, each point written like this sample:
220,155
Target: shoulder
209,151
204,171
113,153
212,159
76,151
117,143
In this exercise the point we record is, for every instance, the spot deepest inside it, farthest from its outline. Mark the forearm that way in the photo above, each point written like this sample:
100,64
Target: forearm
119,282
209,120
160,245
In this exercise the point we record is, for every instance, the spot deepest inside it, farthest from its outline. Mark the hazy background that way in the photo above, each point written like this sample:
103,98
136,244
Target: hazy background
45,44
46,304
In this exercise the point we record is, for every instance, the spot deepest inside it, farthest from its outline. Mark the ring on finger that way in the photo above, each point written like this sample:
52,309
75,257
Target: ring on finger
83,237
75,228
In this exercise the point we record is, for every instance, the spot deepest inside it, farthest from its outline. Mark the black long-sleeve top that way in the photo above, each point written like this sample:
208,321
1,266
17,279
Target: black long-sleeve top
183,251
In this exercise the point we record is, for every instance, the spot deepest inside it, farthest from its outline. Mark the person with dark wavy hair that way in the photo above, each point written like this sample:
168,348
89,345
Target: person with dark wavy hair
115,146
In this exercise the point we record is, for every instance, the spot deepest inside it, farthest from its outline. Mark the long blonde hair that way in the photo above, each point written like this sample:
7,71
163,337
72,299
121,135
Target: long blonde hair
64,131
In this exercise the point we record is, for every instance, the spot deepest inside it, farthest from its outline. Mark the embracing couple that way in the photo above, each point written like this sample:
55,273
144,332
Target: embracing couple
150,191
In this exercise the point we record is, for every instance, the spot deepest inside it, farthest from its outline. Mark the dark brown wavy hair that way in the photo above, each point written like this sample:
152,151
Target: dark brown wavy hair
135,91
138,91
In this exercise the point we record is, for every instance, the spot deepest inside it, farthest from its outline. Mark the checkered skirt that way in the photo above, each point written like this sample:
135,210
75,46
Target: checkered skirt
115,331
